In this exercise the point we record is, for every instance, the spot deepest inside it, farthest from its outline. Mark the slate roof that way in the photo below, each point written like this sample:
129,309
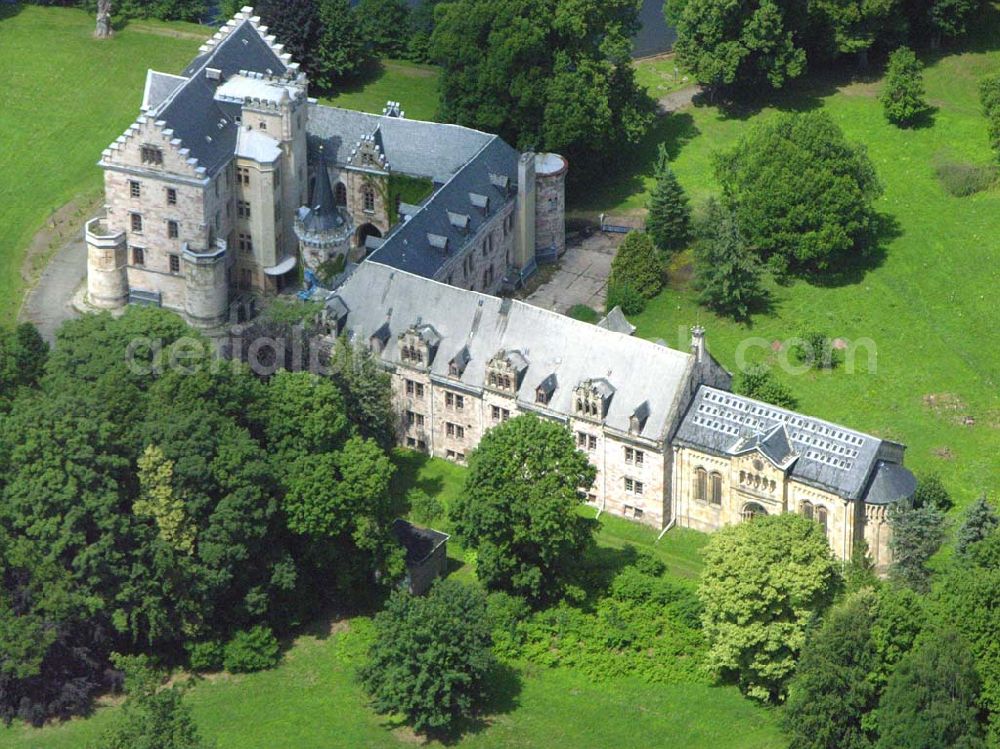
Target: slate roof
615,320
419,542
388,301
158,87
773,444
829,456
892,483
408,246
414,147
208,127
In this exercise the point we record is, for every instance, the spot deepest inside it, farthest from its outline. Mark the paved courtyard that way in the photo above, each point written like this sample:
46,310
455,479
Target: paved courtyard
582,276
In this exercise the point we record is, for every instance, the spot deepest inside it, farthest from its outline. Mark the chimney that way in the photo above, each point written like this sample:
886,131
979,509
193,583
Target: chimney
698,343
524,252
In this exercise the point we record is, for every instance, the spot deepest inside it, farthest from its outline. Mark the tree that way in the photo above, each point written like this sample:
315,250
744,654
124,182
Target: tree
431,656
159,500
557,77
728,276
980,522
322,35
831,691
303,414
734,47
103,30
917,534
757,381
930,700
968,599
367,391
801,194
385,25
903,95
931,491
950,18
989,97
153,717
637,265
23,354
858,24
519,507
763,583
668,222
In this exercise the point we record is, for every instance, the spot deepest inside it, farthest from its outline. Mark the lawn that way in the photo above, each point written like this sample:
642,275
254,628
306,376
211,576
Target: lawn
412,85
67,97
929,305
660,75
311,701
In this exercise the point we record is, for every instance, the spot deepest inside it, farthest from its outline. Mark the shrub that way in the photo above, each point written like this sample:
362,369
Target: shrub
962,180
758,382
624,296
424,507
989,97
815,349
583,312
638,265
206,656
252,650
648,564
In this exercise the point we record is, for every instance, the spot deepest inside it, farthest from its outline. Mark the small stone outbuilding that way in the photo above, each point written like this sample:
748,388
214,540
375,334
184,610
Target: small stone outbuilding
426,555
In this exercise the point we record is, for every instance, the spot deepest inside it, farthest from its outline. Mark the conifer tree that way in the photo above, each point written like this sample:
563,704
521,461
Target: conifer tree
637,266
980,521
727,275
903,96
668,222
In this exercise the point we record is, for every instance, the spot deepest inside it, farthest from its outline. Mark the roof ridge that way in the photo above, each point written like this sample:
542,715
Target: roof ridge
566,319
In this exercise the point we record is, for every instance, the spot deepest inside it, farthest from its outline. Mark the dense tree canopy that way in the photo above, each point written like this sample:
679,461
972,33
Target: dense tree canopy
149,504
801,194
763,583
543,74
519,507
728,275
431,656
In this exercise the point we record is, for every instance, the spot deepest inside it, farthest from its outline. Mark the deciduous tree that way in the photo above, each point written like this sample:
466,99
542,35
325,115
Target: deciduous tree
431,656
763,584
519,507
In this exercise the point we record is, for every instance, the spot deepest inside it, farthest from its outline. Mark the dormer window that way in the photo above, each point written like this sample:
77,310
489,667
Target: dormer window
593,398
379,338
637,421
456,367
505,371
546,388
418,344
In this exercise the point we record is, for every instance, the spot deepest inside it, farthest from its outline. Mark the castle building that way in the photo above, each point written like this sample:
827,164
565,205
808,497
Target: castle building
671,444
232,180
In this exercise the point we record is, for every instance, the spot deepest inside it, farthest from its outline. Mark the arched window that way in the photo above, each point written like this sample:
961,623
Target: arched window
807,510
716,498
700,484
752,510
340,193
368,198
821,518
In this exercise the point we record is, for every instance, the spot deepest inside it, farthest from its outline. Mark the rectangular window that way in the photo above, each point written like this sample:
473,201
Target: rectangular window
415,389
591,442
243,176
175,264
410,442
409,387
152,155
633,456
633,487
243,209
455,401
173,230
134,189
245,242
136,219
138,256
171,196
421,445
455,431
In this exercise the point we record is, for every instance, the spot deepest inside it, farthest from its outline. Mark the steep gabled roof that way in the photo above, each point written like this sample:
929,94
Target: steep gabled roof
205,126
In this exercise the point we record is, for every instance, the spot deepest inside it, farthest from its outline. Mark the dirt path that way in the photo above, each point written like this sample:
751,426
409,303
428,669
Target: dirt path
678,99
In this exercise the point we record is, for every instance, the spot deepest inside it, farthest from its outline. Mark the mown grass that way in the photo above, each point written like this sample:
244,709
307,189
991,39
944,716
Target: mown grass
414,86
312,701
660,75
928,302
66,97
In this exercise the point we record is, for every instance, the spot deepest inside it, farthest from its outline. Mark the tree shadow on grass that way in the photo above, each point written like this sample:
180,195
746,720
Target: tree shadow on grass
9,9
634,164
503,691
853,269
369,73
408,465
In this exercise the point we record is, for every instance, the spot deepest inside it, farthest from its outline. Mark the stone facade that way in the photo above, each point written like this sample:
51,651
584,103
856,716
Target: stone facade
209,188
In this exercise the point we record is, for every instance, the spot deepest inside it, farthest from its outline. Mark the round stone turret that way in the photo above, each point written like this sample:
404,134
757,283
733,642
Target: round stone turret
107,280
206,300
550,202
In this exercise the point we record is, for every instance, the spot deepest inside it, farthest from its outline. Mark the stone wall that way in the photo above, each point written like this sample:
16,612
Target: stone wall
550,202
482,263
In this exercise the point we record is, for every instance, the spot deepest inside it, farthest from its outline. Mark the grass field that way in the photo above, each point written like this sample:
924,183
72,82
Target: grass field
311,700
67,96
414,86
930,304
